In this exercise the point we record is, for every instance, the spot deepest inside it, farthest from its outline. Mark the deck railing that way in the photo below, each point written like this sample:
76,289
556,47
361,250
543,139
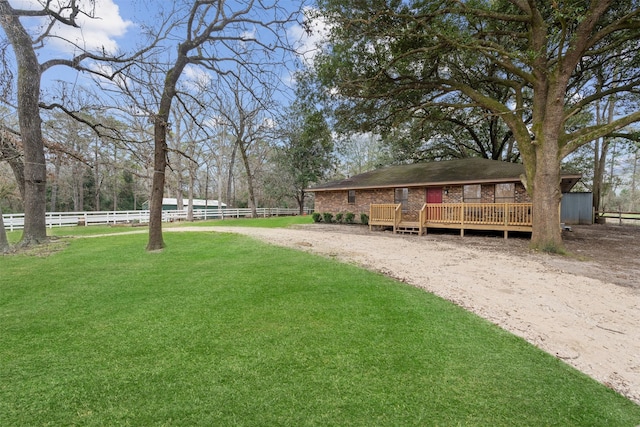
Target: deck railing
398,216
487,216
503,214
385,214
422,216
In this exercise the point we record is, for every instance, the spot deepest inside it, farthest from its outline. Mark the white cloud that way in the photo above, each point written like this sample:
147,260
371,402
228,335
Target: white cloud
249,35
309,40
195,78
100,25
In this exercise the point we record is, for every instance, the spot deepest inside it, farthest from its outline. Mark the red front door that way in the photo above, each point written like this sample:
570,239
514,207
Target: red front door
434,195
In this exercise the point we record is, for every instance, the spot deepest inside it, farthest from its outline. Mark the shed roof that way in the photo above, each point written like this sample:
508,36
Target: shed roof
449,172
172,201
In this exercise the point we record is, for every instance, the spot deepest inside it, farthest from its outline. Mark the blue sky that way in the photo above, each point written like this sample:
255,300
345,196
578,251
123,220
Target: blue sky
117,28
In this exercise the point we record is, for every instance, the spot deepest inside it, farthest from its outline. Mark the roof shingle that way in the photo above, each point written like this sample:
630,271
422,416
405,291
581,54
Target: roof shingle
460,171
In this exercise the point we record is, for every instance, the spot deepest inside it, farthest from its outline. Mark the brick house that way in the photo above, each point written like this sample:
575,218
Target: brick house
471,193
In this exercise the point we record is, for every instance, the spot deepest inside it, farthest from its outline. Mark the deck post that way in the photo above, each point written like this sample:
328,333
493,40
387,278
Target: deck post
506,220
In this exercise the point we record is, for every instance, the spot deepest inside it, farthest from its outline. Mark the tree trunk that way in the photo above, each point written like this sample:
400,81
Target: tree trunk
547,235
81,192
4,242
115,178
600,155
301,201
78,194
632,196
156,241
190,192
177,166
160,124
230,177
247,167
600,159
97,184
28,84
54,184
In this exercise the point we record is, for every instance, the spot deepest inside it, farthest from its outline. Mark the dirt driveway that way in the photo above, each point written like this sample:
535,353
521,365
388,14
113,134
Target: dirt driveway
606,252
583,308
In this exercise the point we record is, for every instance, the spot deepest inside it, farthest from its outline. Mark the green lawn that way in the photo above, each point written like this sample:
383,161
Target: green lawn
219,329
272,222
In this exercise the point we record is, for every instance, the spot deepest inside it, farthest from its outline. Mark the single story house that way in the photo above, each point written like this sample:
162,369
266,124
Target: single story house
470,193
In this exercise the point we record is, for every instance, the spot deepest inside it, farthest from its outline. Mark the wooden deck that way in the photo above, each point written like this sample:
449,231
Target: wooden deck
463,216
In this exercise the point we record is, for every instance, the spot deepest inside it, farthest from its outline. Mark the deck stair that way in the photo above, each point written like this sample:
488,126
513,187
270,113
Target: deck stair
407,227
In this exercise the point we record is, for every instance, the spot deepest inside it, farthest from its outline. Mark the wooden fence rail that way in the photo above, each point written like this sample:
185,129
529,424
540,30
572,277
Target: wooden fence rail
66,219
620,216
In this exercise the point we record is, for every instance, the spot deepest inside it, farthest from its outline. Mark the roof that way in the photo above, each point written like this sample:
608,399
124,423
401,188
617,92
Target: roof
449,172
196,202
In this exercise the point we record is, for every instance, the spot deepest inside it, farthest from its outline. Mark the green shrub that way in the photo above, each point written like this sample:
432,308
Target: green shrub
364,218
339,217
349,217
327,217
316,216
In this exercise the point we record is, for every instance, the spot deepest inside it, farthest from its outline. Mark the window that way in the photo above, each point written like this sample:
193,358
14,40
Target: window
401,195
351,197
506,193
472,193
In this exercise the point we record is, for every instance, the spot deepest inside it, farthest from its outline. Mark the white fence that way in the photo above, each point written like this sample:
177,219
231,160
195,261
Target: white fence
67,219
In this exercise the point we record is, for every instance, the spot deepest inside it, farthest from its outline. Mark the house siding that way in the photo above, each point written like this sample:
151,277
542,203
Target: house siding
337,201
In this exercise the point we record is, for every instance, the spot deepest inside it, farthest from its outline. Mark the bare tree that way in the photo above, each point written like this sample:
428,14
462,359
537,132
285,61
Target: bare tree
30,71
244,108
215,34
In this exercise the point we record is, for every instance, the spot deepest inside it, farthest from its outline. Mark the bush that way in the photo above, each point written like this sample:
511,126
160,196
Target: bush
327,217
349,217
339,217
364,219
316,217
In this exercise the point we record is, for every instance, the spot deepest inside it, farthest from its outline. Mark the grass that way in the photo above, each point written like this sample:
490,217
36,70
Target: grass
272,222
14,236
219,329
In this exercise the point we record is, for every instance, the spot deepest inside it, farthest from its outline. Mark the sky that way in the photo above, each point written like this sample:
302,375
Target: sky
117,27
109,31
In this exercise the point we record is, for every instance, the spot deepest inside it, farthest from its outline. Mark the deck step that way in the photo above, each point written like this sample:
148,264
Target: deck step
408,229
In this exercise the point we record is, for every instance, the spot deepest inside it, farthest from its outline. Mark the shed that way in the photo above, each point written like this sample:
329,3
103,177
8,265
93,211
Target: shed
171,204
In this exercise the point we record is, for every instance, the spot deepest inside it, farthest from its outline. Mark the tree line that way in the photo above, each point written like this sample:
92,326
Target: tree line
197,108
140,127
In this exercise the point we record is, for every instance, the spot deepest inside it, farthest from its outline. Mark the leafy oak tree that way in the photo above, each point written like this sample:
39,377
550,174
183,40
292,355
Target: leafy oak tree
307,153
397,55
